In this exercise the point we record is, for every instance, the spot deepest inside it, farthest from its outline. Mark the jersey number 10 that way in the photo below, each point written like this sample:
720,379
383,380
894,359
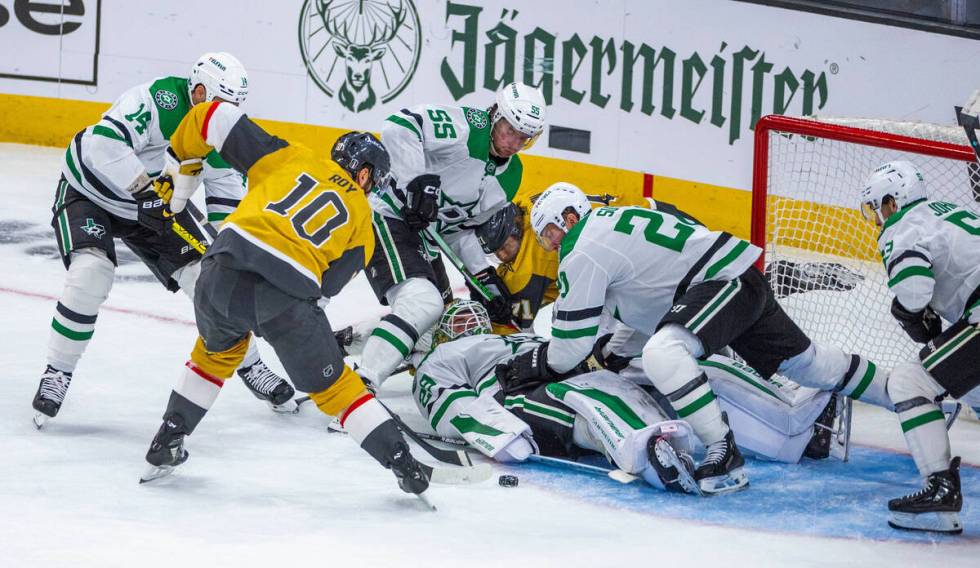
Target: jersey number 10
301,217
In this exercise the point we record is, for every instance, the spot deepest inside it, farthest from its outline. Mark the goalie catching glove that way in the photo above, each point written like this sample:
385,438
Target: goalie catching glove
921,326
152,204
499,305
422,201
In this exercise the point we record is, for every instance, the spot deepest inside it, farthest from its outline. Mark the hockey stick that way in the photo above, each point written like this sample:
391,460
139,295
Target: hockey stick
186,235
458,263
970,125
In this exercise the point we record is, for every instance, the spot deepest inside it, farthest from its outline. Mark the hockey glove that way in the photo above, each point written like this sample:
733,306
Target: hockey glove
152,203
921,326
603,358
422,201
526,371
186,175
499,306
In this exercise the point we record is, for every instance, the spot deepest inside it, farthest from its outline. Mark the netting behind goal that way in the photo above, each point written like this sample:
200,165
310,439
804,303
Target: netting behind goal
820,253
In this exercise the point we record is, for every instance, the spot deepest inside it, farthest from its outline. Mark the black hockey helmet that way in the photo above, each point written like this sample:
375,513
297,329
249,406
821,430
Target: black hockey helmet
494,231
355,150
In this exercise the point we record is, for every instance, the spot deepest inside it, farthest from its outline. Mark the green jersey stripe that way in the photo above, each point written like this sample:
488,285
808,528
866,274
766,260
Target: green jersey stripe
445,405
909,273
107,132
729,258
470,425
574,333
402,122
215,217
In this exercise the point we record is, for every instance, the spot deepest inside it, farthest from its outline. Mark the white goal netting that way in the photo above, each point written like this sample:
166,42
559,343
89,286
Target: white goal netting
821,254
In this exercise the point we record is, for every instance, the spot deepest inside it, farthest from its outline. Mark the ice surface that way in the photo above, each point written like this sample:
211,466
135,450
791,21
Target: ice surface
262,489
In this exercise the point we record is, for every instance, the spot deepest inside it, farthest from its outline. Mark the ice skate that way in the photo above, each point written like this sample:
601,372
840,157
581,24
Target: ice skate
50,394
411,476
933,508
721,470
167,449
269,387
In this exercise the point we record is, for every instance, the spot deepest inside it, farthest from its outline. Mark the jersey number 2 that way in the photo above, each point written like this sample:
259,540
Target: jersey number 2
301,217
652,231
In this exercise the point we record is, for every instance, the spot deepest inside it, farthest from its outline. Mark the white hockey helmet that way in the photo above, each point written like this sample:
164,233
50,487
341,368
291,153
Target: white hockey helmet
222,75
524,108
461,319
900,180
550,207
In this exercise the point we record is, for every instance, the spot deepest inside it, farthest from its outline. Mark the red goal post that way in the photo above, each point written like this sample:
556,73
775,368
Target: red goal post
807,173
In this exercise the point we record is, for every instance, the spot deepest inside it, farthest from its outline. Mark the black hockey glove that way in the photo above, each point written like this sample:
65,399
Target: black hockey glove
498,307
921,326
153,205
610,361
422,201
345,338
526,371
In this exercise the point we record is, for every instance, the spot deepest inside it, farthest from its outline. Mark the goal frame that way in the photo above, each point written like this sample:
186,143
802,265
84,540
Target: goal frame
808,127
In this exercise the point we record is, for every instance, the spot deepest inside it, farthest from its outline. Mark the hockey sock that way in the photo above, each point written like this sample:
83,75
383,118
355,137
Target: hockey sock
922,420
370,425
669,361
194,394
415,307
87,286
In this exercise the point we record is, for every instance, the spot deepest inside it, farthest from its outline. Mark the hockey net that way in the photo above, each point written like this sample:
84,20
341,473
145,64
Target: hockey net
820,253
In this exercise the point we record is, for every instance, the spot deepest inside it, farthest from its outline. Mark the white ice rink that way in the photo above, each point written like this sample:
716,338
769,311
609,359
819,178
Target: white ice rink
268,490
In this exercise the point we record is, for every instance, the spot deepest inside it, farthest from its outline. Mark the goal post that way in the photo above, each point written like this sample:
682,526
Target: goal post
807,173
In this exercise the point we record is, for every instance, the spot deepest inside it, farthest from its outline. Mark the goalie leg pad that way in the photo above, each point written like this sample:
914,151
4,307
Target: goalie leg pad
914,393
416,305
87,285
669,359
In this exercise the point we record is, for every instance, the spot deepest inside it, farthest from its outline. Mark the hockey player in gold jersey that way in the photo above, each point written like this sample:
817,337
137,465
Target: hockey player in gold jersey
302,232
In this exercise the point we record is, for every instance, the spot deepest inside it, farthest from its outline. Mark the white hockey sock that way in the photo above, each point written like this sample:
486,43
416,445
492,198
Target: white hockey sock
827,367
922,420
415,307
198,386
669,361
87,286
363,416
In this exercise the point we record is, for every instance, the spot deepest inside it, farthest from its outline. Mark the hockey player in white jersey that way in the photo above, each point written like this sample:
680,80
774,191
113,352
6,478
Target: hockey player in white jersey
456,390
109,188
694,291
453,166
931,252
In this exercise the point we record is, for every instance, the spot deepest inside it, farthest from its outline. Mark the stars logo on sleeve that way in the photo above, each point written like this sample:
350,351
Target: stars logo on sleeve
92,228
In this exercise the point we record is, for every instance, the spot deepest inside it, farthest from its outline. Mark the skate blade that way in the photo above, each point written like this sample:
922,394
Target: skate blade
945,522
735,480
622,476
154,472
288,407
668,457
40,419
423,498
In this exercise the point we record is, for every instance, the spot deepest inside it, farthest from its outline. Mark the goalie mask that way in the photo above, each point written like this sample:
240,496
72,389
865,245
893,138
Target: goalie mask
899,180
222,75
461,319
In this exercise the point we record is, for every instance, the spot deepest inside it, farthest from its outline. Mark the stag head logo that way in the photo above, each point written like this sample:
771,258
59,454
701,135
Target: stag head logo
360,51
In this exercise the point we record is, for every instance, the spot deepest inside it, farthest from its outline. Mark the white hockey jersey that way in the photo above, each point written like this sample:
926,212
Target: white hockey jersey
633,263
931,251
453,143
107,159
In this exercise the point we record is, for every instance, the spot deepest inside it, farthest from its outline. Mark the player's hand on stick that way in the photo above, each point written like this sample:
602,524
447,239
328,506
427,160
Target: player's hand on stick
604,358
422,201
921,326
152,202
499,306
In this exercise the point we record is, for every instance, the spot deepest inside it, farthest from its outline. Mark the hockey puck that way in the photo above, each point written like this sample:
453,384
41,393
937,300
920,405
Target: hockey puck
507,481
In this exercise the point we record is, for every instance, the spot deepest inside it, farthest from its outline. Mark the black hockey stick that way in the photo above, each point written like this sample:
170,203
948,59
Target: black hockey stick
970,125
